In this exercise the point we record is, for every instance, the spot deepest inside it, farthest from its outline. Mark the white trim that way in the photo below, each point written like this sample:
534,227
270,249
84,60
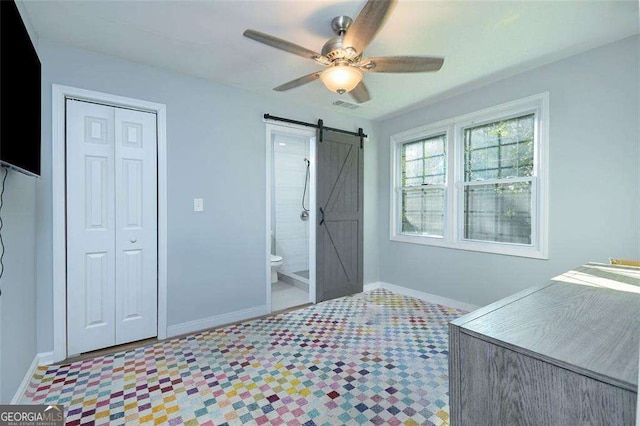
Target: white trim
59,95
538,105
638,400
43,358
17,398
291,129
163,243
46,358
313,182
422,132
397,140
427,297
479,247
59,231
267,179
452,238
217,320
372,286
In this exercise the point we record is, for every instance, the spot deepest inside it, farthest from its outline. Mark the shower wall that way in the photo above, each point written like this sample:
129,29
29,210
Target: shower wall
291,234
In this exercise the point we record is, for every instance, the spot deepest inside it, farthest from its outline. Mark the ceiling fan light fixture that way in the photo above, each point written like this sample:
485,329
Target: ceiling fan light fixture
341,78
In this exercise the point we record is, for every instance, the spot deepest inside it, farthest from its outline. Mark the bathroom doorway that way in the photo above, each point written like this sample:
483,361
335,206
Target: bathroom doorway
291,198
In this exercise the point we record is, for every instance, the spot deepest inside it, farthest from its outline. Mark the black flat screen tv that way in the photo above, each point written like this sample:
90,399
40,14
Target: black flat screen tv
19,94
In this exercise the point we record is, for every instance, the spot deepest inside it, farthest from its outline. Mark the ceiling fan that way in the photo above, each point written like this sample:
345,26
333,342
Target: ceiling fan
342,55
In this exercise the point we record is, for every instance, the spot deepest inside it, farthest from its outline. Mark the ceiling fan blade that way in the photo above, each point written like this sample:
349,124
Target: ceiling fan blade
360,94
281,44
401,64
298,82
367,24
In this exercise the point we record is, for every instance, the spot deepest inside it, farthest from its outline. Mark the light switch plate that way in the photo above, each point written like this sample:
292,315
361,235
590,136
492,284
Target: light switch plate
198,204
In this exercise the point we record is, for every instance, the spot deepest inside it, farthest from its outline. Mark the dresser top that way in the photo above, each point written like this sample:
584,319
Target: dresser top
586,320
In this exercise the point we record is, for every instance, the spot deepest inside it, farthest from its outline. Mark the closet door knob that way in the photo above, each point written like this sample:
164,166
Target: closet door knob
133,239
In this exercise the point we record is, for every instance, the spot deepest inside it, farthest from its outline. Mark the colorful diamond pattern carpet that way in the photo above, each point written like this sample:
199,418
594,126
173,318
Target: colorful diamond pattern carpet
372,358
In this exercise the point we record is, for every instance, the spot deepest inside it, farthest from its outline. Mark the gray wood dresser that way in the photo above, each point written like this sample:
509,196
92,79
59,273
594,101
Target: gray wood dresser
563,353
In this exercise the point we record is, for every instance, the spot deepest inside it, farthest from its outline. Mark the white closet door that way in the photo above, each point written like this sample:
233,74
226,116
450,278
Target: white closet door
136,225
112,272
90,227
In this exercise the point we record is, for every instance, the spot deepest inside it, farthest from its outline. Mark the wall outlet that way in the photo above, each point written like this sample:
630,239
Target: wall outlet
198,204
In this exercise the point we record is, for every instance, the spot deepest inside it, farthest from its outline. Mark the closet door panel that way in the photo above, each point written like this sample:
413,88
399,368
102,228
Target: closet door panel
136,225
90,227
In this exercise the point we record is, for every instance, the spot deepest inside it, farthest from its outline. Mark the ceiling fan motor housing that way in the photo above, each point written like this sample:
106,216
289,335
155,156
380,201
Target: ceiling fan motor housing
334,49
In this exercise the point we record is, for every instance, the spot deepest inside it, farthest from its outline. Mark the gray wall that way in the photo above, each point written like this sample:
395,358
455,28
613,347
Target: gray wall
18,300
18,284
216,150
593,178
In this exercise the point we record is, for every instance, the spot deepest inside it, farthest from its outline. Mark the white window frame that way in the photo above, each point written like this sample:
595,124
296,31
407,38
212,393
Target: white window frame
398,140
454,187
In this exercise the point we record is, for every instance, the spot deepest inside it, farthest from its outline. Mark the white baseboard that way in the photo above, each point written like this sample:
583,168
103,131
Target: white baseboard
43,358
372,286
427,297
215,321
46,358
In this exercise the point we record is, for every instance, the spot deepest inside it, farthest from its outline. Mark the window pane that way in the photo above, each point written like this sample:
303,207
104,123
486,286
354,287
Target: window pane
498,212
414,169
498,150
413,151
423,162
423,211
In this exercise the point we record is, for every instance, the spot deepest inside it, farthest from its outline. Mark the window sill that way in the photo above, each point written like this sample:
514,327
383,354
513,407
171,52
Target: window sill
491,248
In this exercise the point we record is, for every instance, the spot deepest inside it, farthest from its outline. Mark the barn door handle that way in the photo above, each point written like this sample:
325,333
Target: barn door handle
322,217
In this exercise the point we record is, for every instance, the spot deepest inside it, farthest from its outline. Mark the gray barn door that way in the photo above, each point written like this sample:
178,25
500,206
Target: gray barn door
339,226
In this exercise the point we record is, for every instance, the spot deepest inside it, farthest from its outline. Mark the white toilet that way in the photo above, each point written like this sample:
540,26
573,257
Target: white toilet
276,263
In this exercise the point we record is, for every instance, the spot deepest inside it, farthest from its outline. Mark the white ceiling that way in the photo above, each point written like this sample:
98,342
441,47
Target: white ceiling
480,40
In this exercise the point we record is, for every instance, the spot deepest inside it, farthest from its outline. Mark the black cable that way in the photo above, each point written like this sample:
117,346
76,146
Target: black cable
4,179
304,194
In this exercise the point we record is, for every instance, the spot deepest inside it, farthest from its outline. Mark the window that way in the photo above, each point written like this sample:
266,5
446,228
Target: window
423,185
475,182
498,175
